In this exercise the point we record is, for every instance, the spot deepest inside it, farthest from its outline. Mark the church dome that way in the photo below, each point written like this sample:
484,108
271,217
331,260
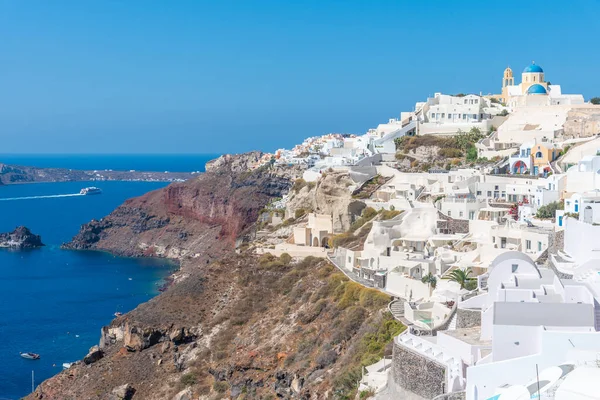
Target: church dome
533,68
536,89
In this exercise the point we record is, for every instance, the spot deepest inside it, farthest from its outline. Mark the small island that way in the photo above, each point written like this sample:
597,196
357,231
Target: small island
20,238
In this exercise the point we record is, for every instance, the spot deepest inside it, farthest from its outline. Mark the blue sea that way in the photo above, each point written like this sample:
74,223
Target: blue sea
52,301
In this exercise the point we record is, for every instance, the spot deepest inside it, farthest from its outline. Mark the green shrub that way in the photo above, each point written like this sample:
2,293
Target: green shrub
298,185
285,258
301,212
549,211
188,379
365,394
341,240
368,214
220,386
389,214
472,153
449,152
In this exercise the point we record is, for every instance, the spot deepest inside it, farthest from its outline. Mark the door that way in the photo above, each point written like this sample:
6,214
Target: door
588,215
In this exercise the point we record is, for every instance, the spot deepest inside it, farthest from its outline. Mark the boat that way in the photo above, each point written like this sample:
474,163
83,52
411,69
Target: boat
30,356
90,190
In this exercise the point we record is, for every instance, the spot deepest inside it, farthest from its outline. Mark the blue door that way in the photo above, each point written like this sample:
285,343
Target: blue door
560,218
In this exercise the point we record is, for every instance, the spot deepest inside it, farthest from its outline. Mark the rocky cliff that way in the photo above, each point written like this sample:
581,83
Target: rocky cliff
199,218
234,325
20,238
329,195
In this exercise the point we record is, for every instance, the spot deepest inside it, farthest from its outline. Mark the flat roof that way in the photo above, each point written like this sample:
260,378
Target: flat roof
471,336
543,314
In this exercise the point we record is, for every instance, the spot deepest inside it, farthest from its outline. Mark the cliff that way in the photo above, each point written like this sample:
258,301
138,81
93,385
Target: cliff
235,325
20,238
241,327
199,218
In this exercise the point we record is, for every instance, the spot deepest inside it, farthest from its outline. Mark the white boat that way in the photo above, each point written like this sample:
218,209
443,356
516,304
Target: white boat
30,356
90,190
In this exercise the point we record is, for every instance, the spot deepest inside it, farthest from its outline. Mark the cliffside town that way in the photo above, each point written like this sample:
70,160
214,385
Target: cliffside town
449,254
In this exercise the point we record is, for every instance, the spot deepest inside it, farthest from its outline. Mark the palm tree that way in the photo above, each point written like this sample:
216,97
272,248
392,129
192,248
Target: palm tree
460,276
430,280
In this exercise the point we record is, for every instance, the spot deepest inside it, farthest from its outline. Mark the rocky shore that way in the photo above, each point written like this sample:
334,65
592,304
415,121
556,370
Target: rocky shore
20,238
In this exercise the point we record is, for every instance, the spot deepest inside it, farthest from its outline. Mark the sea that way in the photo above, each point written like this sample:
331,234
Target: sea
52,301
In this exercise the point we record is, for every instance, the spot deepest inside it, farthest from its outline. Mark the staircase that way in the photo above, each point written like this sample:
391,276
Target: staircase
452,326
397,309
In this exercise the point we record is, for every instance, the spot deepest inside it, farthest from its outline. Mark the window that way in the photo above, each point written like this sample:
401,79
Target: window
443,115
496,187
479,193
460,213
464,116
528,244
489,193
449,213
449,116
539,246
471,215
515,267
503,194
538,154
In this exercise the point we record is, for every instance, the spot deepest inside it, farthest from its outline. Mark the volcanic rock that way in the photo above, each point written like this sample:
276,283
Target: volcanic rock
20,238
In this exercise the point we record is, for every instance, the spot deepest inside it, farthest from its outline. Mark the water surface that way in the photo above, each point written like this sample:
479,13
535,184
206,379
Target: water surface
52,301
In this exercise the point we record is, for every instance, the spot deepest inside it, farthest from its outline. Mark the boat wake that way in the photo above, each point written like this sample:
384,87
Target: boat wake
50,196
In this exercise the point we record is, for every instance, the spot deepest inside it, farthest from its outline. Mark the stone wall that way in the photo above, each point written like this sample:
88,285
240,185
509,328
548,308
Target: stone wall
582,122
416,373
452,396
558,242
449,225
561,275
468,318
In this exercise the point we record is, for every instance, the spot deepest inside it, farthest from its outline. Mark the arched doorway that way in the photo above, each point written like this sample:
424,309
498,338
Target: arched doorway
519,167
315,242
325,242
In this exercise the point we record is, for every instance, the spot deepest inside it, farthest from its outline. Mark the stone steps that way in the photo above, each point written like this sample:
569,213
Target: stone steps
452,326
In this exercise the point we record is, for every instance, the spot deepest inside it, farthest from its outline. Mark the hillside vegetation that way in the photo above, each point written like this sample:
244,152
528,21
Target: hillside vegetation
421,153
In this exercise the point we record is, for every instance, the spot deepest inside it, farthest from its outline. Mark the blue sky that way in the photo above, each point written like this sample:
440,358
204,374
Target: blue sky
231,76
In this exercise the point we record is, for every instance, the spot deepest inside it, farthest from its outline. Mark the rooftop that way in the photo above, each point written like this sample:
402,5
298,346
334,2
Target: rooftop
471,336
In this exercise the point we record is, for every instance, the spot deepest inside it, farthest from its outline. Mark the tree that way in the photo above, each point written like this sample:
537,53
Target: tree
503,113
431,281
549,210
595,100
460,276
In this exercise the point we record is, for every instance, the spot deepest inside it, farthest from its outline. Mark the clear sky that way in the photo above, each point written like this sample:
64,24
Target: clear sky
230,76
